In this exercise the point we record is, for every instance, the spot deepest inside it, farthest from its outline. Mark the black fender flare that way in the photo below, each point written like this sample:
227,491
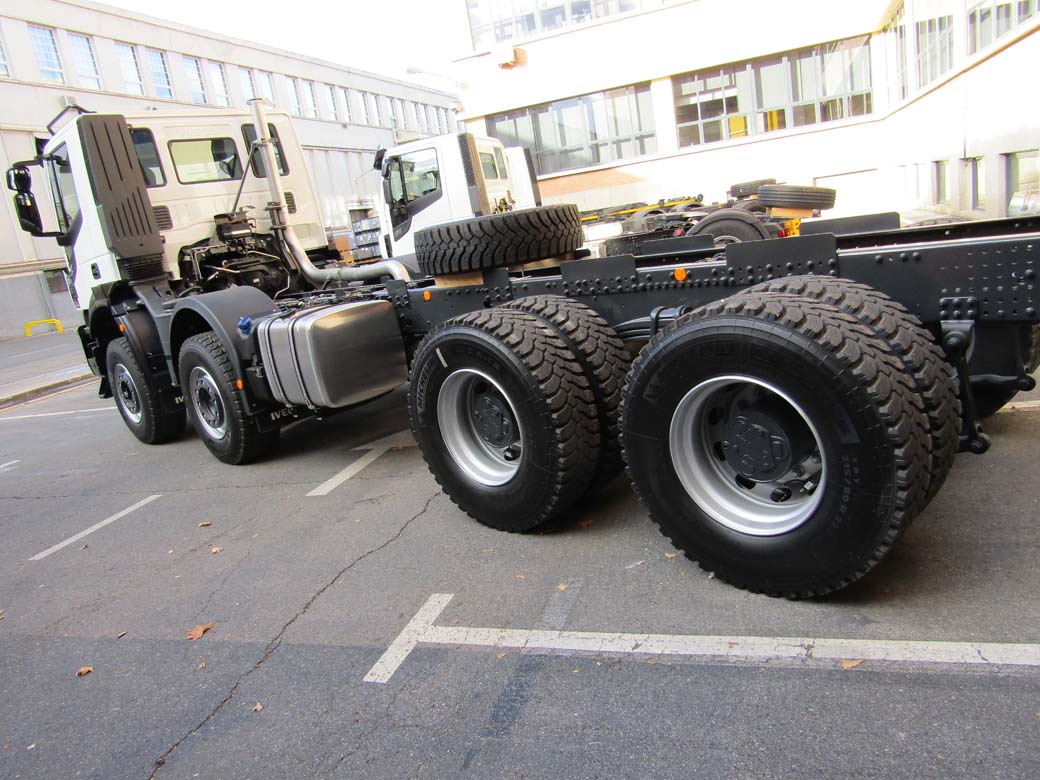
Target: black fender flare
220,312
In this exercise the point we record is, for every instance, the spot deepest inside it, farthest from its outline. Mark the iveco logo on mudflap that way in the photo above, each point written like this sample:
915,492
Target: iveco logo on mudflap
280,414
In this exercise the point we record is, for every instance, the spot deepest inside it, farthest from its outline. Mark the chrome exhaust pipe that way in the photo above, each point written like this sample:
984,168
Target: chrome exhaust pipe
280,221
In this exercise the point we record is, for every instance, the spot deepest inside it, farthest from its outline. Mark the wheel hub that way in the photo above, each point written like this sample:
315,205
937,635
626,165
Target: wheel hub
126,389
480,427
208,403
748,455
763,441
494,421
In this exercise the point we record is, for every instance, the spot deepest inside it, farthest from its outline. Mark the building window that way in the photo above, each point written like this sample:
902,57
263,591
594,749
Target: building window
159,72
1023,174
295,103
343,100
196,86
218,80
373,109
265,85
398,105
328,97
83,58
934,49
494,21
582,131
132,82
310,105
799,88
246,78
1026,8
47,54
941,181
989,20
5,69
205,159
893,39
362,104
975,191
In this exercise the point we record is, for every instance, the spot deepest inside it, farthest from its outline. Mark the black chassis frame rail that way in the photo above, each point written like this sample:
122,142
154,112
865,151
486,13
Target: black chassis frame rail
959,279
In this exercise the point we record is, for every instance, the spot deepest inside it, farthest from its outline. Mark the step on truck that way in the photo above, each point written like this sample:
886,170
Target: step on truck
783,408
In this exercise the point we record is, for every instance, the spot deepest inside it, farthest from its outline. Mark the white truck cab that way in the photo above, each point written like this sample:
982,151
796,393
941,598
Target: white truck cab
194,167
447,178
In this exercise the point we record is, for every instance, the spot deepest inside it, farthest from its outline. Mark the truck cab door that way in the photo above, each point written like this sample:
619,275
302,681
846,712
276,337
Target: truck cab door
413,195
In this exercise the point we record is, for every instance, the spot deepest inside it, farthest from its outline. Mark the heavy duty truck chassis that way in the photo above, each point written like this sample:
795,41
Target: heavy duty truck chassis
783,408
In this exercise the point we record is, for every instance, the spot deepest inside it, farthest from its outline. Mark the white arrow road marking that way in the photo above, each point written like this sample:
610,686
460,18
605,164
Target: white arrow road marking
8,466
95,527
394,441
421,629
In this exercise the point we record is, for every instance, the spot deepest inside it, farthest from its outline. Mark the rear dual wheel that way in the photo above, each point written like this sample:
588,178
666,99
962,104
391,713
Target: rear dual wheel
505,417
772,441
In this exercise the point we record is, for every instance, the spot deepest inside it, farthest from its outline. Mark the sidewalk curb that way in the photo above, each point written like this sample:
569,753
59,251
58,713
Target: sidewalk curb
36,392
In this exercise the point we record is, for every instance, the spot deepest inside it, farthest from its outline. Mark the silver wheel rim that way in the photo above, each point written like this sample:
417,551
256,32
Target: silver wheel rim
127,395
480,427
208,403
748,455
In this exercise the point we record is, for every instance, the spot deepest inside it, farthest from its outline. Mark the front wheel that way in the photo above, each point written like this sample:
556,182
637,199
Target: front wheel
215,405
137,398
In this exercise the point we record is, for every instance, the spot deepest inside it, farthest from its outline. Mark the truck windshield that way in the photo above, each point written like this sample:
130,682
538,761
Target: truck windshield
63,189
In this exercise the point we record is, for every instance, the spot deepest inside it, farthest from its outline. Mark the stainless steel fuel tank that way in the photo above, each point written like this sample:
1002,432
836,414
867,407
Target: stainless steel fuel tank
333,356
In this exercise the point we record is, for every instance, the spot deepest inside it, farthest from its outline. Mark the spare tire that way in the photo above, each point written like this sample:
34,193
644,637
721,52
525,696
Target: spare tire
499,240
730,226
746,189
789,196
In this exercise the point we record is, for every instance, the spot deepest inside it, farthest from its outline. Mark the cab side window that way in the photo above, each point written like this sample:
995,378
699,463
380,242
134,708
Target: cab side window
148,157
66,204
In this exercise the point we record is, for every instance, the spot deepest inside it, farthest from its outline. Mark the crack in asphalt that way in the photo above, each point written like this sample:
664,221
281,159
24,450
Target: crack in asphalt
223,582
276,642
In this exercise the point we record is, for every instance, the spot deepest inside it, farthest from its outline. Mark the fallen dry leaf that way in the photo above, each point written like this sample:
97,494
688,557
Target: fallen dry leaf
651,662
202,665
671,555
215,550
851,664
521,577
585,522
169,552
198,631
32,746
454,621
205,524
500,656
1,614
84,671
121,634
258,708
562,586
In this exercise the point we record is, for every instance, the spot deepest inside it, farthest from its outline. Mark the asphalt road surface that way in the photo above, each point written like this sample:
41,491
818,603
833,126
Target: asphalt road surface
316,566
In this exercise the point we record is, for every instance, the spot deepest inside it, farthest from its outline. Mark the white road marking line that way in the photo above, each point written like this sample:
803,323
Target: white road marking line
95,527
7,466
406,641
375,449
1020,406
58,414
421,630
329,485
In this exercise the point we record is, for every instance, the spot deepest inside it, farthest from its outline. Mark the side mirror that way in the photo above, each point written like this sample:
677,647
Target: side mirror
19,179
377,163
28,213
388,198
